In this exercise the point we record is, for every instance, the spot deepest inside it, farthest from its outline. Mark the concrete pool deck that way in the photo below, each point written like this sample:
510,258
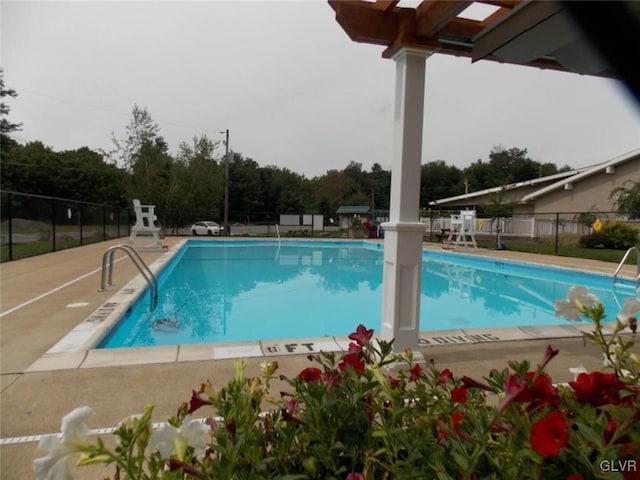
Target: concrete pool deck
43,298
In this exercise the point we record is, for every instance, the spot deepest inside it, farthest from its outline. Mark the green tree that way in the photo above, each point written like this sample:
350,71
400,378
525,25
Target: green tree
5,125
198,182
245,189
7,144
32,168
284,191
333,189
84,175
627,199
506,166
144,153
439,180
379,181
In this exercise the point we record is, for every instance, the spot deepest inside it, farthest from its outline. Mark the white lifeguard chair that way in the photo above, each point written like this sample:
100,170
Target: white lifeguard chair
145,227
463,229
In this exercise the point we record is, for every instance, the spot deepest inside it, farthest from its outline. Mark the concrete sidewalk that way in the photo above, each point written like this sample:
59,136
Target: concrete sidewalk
34,403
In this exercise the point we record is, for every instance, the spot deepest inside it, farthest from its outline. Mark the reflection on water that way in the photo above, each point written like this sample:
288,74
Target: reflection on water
258,292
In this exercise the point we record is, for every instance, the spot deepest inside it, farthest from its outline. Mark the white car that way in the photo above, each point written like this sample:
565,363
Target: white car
205,228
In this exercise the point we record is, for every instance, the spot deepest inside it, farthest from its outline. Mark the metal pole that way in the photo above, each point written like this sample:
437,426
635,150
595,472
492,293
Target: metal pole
226,185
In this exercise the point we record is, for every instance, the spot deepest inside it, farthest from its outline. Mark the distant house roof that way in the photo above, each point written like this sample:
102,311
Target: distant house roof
352,209
586,172
511,186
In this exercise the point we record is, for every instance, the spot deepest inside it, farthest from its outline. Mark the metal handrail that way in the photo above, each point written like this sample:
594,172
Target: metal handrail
139,263
624,259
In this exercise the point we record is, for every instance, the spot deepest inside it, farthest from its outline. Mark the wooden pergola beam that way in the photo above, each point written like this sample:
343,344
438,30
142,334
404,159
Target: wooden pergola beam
364,23
502,3
385,5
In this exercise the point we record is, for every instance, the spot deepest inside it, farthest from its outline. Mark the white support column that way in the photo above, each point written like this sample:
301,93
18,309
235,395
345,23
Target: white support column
403,233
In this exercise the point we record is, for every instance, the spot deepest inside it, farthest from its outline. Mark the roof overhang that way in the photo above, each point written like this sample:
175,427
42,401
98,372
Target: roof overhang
532,33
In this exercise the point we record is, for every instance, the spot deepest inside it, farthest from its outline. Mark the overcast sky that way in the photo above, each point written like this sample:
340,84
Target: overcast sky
288,83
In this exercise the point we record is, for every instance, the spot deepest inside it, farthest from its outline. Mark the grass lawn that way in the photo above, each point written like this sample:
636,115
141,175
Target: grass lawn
548,248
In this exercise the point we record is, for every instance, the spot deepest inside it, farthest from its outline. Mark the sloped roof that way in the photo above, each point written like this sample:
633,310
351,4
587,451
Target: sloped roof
511,186
583,174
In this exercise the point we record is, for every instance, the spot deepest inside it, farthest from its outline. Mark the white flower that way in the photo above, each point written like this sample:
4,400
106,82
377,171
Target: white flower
630,309
169,439
577,371
53,466
573,306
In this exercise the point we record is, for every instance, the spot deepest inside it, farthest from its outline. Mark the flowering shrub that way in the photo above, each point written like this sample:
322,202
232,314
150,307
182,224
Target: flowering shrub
356,222
356,416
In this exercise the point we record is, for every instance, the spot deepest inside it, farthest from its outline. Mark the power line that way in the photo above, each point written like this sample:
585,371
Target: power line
109,110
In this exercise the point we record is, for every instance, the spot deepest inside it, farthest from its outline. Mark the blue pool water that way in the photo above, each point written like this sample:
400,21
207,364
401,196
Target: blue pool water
229,291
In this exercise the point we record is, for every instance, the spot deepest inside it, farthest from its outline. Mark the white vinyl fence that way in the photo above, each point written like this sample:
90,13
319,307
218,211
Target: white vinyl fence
516,226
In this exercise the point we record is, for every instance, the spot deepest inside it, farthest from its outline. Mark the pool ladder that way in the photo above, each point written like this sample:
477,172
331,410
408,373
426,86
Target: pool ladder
621,264
139,263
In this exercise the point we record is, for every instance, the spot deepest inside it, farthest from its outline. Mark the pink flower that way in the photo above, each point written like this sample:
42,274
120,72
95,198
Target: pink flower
331,379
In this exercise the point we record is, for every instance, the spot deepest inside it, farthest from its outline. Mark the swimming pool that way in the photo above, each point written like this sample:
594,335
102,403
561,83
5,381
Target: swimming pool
233,291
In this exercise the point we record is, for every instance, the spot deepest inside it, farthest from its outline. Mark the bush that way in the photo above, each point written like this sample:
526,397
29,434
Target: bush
564,240
621,235
347,417
596,240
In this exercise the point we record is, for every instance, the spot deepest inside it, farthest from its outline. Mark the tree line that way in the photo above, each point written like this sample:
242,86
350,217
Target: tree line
189,185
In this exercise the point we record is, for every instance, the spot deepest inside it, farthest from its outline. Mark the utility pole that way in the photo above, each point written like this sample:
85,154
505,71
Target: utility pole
226,183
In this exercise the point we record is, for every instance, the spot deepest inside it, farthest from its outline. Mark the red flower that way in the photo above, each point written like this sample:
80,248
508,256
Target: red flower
445,376
548,355
550,434
416,371
609,430
393,382
310,374
543,392
362,336
196,402
459,394
354,348
443,430
597,388
575,476
472,383
354,476
536,389
456,420
514,386
353,360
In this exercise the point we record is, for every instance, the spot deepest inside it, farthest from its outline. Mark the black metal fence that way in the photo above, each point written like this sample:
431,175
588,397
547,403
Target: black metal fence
35,224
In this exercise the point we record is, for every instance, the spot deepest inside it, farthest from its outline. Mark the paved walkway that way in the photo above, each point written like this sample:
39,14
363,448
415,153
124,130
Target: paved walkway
64,285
